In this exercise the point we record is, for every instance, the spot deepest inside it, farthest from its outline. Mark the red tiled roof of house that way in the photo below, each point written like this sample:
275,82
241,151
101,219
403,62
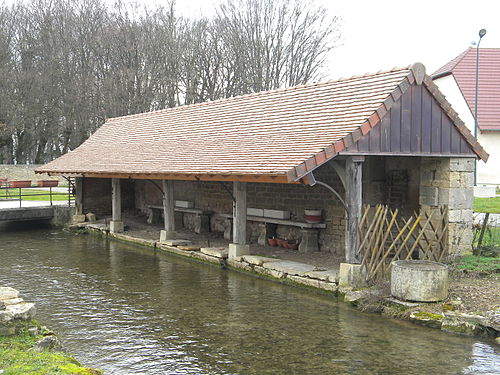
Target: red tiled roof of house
283,133
463,68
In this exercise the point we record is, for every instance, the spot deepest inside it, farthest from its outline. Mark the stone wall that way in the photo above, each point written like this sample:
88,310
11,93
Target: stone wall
97,196
26,172
449,182
294,198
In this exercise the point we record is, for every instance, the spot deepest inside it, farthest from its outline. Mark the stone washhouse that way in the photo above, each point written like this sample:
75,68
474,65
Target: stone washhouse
249,166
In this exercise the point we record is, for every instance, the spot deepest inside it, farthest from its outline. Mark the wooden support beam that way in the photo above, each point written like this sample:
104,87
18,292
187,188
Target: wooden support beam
240,213
275,179
354,201
168,205
116,199
79,195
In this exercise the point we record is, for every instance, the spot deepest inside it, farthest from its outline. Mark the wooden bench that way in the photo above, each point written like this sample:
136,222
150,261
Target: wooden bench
201,220
310,231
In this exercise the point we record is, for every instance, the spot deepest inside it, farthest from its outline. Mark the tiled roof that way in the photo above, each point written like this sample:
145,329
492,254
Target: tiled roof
285,133
463,68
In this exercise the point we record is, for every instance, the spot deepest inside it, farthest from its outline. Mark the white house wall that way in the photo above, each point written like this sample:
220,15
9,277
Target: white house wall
487,173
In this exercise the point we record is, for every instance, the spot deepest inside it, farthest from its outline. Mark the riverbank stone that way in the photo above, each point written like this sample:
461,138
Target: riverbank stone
217,252
257,260
289,267
8,293
331,276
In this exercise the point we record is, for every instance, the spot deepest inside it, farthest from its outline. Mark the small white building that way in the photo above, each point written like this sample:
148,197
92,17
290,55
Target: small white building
456,80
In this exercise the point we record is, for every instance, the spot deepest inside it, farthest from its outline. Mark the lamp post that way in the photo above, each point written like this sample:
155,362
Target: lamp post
482,33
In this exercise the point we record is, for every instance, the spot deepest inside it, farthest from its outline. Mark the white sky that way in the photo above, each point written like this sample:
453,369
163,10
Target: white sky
381,34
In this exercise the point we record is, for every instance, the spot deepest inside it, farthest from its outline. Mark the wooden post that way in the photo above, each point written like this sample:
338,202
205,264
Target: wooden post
240,213
168,205
79,195
354,201
116,199
116,224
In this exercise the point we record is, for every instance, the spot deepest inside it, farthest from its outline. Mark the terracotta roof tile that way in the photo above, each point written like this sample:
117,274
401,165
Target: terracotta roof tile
463,68
285,133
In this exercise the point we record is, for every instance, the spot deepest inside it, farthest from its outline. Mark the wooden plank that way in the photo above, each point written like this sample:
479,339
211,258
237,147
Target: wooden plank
406,123
385,133
240,213
116,198
455,140
416,119
436,127
168,205
395,127
445,133
426,121
354,202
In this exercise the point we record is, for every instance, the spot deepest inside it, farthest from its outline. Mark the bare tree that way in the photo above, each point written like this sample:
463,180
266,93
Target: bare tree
67,65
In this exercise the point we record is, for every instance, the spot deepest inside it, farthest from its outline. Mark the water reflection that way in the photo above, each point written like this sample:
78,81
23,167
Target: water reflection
129,310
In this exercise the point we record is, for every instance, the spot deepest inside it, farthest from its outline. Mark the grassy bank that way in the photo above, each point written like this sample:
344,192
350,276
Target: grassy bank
17,358
32,195
491,205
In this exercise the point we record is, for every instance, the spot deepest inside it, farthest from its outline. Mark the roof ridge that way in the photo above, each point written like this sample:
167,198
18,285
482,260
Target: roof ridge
267,92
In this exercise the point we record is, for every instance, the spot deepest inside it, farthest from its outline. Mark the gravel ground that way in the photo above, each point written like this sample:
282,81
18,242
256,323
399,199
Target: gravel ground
479,293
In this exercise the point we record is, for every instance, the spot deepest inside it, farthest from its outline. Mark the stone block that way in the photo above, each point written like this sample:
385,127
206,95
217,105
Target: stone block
454,216
309,241
166,235
429,196
255,212
304,281
217,252
351,275
461,198
8,293
290,267
90,217
184,204
462,164
257,260
331,276
237,250
172,242
277,214
419,280
116,226
443,196
77,219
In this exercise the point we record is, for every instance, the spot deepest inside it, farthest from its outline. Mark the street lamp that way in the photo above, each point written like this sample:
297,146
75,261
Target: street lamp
482,33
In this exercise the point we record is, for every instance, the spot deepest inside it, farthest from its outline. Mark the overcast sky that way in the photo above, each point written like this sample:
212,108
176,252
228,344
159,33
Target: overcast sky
381,34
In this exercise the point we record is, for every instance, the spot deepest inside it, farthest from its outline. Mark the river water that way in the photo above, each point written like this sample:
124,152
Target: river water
130,310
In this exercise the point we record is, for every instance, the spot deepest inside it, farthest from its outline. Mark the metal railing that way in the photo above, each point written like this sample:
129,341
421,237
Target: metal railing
21,193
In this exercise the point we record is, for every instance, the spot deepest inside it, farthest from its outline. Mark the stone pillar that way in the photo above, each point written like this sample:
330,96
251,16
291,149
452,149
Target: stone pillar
354,201
116,224
450,182
168,211
239,246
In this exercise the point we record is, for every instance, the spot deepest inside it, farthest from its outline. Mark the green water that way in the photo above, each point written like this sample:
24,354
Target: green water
129,310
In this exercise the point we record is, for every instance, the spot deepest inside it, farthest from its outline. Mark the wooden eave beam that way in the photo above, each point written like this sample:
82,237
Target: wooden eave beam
278,179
